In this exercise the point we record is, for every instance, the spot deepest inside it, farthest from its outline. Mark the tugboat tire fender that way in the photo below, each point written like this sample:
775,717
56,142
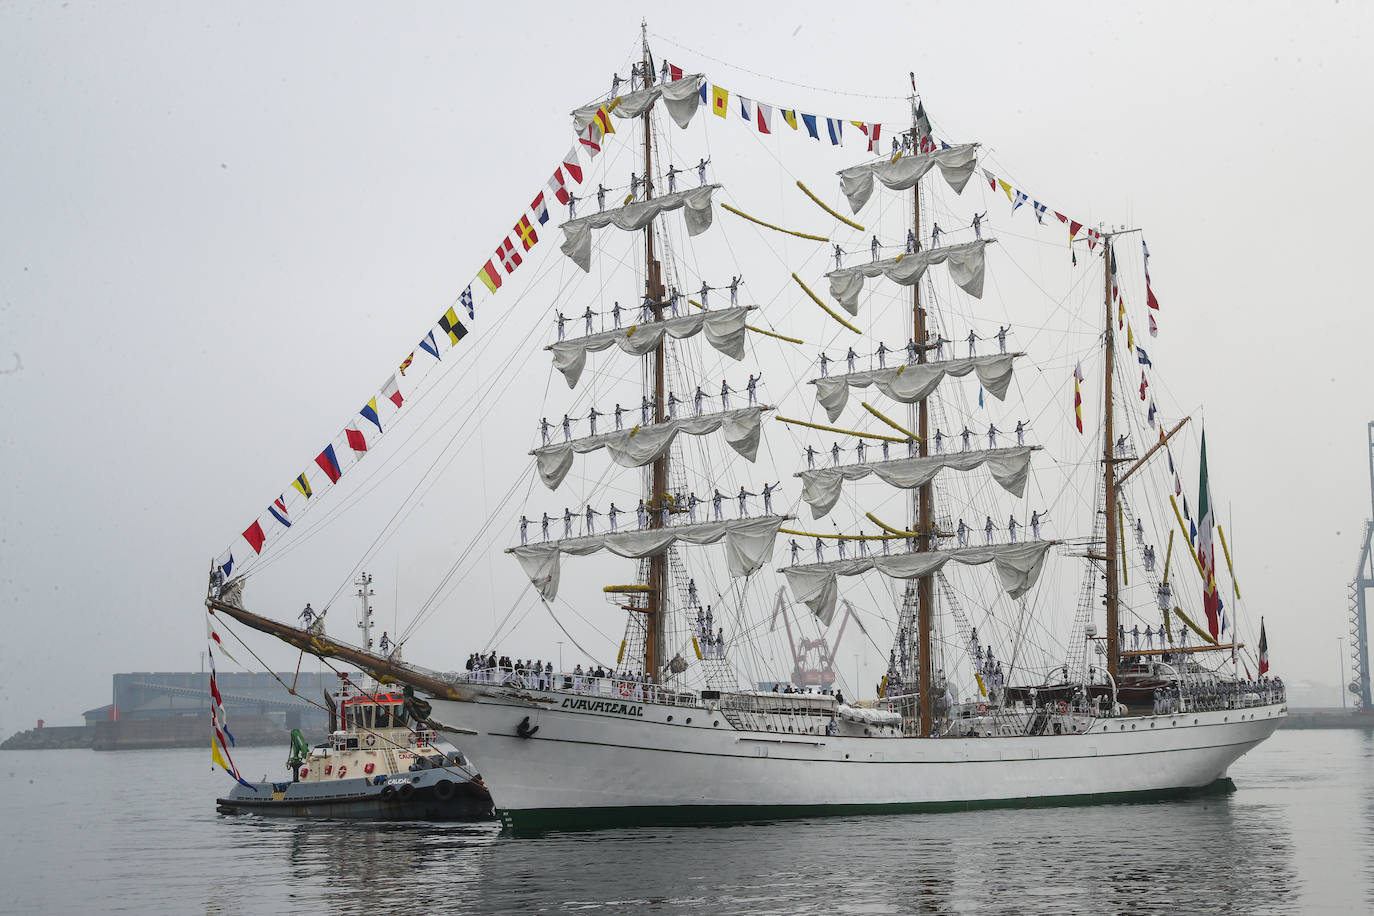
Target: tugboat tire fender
388,791
444,789
405,791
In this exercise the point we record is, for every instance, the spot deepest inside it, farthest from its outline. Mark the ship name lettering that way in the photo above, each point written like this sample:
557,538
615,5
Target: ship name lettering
621,709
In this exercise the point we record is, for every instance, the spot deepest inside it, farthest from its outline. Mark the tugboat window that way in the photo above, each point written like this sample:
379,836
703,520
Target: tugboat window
383,717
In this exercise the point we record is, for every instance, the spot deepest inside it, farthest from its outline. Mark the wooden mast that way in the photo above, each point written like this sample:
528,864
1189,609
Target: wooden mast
1109,465
925,587
658,476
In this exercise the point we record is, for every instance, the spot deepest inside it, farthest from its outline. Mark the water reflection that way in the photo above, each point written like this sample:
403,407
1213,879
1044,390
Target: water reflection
1194,855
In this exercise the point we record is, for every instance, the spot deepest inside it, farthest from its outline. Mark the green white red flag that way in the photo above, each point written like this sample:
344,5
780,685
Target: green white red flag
1206,551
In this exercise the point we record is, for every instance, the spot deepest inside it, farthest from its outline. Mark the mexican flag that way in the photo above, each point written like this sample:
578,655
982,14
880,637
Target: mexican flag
1206,552
1263,650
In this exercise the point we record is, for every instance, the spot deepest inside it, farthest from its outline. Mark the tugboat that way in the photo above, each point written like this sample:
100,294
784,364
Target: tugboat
385,763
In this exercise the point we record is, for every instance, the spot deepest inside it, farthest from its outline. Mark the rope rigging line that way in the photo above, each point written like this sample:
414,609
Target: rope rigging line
754,219
827,208
828,310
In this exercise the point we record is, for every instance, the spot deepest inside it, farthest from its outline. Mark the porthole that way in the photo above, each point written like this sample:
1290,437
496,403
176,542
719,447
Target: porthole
715,724
1195,721
1132,726
670,718
689,720
1152,725
846,756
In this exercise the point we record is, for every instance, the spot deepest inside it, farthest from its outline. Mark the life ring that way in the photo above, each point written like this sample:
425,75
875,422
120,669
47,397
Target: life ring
626,689
982,709
444,789
1063,707
368,768
342,770
370,740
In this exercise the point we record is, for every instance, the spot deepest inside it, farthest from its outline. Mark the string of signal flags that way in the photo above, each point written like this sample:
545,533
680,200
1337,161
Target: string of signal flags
347,447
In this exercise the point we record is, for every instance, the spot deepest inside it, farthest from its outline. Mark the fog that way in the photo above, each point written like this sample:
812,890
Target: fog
223,227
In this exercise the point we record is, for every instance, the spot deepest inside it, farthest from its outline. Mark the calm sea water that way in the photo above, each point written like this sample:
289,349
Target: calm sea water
136,831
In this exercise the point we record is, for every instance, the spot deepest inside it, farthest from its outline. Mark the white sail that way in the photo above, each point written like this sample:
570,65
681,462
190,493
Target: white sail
956,165
1009,467
633,448
724,330
965,261
696,204
748,545
910,382
682,98
1018,566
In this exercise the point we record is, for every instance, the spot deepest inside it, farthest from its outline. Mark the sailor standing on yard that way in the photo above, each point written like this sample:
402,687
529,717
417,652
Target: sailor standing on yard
701,170
992,435
820,551
615,313
972,338
567,522
988,529
1011,528
567,427
672,177
524,531
966,434
1002,339
1035,524
1020,432
875,247
589,314
725,392
705,291
796,548
544,426
716,500
307,616
882,355
642,514
697,399
963,533
743,501
825,364
734,291
850,357
544,526
752,388
591,418
810,457
768,489
600,198
611,514
385,643
839,257
619,416
591,519
562,324
935,236
978,224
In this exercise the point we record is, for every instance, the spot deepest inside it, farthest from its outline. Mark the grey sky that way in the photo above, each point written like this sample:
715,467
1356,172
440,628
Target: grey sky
222,226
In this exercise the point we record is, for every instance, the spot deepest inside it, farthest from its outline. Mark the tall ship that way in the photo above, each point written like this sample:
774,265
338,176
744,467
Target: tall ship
959,532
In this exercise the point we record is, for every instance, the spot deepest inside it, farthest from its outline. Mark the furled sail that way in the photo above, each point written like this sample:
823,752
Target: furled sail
682,97
633,448
1018,567
956,165
1008,466
911,382
696,204
724,330
965,261
748,545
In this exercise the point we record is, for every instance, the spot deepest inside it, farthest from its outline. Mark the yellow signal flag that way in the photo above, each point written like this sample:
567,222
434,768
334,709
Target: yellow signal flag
720,101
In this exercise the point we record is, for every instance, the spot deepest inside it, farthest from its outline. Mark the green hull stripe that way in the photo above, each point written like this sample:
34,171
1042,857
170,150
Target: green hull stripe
537,820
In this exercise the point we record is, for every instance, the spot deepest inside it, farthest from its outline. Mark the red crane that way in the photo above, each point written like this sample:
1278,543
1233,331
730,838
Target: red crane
813,660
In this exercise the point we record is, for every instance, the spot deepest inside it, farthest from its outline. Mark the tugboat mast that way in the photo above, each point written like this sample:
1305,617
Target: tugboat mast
365,593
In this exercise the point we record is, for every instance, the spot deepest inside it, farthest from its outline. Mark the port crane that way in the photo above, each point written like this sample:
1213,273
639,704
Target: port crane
813,660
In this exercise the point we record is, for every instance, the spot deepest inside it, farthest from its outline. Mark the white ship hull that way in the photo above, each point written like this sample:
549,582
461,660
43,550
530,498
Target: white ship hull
595,760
